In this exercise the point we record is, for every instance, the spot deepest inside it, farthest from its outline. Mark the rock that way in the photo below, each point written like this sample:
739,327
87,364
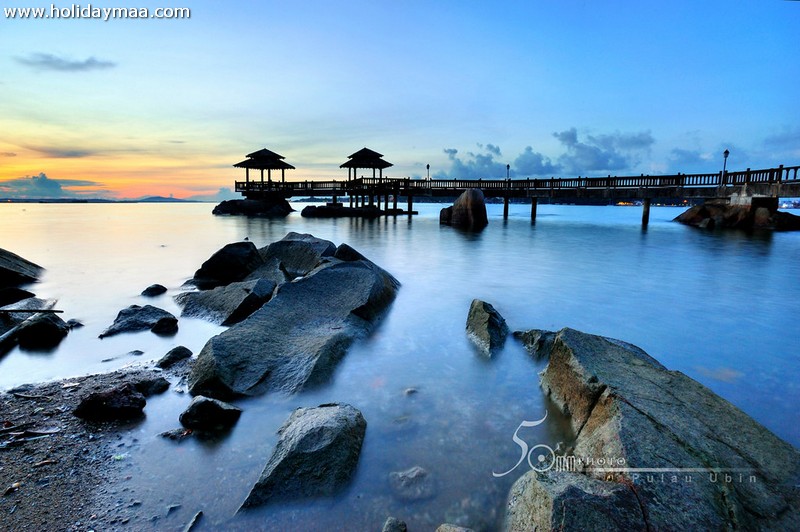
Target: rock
232,263
205,413
486,327
74,324
14,270
628,408
299,336
154,290
414,484
298,253
136,318
122,402
454,528
227,304
271,270
570,501
467,212
394,525
173,356
537,342
316,455
271,207
716,214
42,331
348,254
11,295
149,386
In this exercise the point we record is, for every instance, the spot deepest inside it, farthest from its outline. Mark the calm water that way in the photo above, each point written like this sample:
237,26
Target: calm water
722,308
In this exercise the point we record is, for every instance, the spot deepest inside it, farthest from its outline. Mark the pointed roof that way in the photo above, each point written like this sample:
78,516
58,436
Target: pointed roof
264,159
366,158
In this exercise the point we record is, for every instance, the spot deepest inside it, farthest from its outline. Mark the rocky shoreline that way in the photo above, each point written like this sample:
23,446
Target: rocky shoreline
63,444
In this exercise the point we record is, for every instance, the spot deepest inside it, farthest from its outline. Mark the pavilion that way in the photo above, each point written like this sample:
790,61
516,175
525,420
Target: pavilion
365,158
264,159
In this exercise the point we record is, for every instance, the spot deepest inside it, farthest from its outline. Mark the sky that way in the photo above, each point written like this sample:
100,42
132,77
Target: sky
126,108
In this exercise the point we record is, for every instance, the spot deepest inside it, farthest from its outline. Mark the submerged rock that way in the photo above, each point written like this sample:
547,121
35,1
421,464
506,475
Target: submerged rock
297,338
173,356
42,331
628,408
154,290
394,525
136,318
414,484
205,413
14,270
227,304
467,212
486,327
316,455
272,207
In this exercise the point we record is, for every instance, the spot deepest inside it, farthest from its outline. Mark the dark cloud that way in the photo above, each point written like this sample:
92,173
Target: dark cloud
601,153
7,154
788,138
41,61
41,186
531,163
474,165
62,153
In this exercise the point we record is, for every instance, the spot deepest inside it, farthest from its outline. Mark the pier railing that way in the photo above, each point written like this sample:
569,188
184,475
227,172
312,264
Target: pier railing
527,186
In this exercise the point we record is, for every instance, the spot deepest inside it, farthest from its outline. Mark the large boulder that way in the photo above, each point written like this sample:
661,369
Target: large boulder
227,304
136,318
271,207
316,455
299,335
718,214
298,253
486,327
467,212
231,263
14,270
692,460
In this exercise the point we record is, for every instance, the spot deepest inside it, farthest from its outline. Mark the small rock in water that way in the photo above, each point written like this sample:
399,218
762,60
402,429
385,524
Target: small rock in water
205,413
173,356
122,402
413,484
394,525
154,290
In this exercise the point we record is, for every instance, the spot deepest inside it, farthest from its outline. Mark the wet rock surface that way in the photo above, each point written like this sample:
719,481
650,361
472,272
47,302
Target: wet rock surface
316,455
205,413
15,270
42,331
414,484
627,407
173,356
154,290
307,325
230,264
136,318
227,304
720,215
467,212
275,207
486,328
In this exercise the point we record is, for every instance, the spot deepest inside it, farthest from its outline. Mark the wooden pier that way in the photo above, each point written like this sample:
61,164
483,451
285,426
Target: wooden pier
736,187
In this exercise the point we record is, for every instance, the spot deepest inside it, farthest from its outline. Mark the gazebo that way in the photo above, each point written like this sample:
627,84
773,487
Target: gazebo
264,159
365,158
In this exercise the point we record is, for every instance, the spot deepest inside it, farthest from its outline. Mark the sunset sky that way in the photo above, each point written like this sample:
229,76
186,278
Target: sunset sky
127,108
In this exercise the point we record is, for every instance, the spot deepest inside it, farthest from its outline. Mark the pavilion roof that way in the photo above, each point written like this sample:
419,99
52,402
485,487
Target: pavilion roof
366,158
264,163
263,152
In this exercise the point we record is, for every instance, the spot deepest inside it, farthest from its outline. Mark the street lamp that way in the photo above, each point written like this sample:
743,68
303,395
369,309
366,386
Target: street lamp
724,164
508,169
428,168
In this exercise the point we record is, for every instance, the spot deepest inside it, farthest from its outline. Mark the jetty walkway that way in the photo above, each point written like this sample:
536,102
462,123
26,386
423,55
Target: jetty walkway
752,187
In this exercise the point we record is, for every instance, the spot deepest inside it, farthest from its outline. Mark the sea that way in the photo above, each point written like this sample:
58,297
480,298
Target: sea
721,307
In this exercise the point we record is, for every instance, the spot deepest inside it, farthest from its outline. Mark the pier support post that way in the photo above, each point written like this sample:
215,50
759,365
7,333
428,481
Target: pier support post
394,198
410,203
645,212
505,208
534,204
386,202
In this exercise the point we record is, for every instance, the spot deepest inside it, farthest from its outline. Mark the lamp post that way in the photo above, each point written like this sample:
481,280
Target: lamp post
724,164
508,169
428,168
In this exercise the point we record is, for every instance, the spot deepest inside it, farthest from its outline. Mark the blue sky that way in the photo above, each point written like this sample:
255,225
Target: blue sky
132,107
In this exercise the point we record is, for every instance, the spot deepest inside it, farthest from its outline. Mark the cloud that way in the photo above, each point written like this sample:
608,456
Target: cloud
531,163
224,193
601,153
61,153
474,165
41,186
787,138
40,61
7,154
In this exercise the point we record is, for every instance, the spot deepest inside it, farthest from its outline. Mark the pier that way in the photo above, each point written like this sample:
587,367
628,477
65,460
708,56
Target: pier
762,187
